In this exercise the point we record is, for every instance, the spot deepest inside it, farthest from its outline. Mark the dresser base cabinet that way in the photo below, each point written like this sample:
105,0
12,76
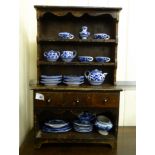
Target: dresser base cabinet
67,105
65,101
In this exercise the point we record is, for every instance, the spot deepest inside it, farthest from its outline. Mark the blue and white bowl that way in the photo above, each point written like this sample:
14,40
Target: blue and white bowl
102,59
103,123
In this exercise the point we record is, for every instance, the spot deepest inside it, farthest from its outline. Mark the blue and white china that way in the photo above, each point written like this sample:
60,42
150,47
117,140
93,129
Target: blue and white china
52,76
95,77
51,83
56,126
52,55
56,123
73,83
84,34
101,36
73,77
103,124
73,80
56,130
86,117
102,59
82,126
68,56
86,58
51,80
65,35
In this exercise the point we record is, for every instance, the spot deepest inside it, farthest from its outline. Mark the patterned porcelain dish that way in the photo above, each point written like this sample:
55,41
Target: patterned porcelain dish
86,117
51,76
82,126
101,36
56,126
103,124
51,80
102,59
85,58
65,35
73,80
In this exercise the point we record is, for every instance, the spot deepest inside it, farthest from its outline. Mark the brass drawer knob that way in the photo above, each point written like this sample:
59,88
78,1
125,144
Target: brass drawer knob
48,100
105,100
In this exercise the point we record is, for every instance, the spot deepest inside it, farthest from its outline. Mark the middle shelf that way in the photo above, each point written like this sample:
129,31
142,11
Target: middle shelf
76,63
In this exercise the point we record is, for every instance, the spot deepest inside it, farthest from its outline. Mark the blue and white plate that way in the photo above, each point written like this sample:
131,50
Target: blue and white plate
83,130
51,82
73,77
52,130
82,124
51,77
56,123
73,83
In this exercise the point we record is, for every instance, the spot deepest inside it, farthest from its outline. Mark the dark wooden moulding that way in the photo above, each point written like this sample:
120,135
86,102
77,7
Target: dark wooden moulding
67,102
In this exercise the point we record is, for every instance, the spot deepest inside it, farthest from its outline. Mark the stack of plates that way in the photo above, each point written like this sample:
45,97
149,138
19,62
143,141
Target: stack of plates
51,80
56,126
73,80
82,126
84,122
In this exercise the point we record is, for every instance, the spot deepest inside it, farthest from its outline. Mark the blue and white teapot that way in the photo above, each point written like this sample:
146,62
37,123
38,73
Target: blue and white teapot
52,55
95,77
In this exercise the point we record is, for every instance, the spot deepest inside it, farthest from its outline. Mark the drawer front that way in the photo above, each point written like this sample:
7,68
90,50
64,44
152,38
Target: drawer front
52,99
102,99
76,99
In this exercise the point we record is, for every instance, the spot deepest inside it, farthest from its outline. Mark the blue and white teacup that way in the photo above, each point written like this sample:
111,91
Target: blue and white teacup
65,35
68,56
52,55
102,59
86,58
101,36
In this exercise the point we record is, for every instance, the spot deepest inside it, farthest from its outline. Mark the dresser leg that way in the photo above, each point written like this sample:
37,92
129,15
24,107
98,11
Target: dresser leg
113,145
37,145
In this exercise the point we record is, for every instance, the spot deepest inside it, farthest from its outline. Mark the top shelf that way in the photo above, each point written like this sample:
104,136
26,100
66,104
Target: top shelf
42,40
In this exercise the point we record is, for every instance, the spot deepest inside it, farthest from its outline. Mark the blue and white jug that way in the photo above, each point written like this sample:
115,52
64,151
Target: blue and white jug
52,55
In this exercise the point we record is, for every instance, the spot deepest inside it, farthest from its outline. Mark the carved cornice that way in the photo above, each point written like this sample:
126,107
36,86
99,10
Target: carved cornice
60,13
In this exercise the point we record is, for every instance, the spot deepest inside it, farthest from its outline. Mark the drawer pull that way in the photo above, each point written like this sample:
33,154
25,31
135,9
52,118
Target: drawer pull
49,100
105,100
76,101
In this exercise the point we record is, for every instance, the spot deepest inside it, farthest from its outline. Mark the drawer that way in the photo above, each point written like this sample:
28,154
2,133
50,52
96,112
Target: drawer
54,99
76,99
102,99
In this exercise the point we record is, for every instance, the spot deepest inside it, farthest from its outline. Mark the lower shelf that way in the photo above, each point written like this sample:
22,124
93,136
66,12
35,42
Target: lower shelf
74,137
